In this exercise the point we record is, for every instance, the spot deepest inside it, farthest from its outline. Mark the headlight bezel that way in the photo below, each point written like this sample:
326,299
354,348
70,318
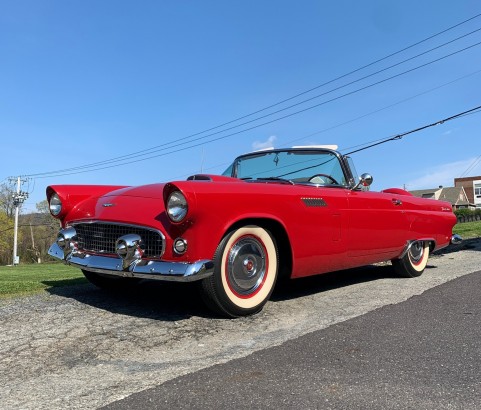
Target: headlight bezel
177,206
55,204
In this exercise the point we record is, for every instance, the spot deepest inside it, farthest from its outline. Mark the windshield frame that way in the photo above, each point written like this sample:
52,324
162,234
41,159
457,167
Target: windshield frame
348,175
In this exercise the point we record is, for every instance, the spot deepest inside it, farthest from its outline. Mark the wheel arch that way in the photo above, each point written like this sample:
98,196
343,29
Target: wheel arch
280,237
430,241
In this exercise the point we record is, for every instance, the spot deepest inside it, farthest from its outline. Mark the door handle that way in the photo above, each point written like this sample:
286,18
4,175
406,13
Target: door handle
396,201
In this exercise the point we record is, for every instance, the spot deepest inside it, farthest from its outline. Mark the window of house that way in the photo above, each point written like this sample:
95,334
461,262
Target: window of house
477,190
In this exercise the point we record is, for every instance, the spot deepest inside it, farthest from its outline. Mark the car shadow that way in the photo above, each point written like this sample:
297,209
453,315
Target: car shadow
291,289
163,301
170,302
473,244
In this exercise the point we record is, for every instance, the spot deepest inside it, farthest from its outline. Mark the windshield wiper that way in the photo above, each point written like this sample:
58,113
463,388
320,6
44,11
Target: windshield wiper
277,179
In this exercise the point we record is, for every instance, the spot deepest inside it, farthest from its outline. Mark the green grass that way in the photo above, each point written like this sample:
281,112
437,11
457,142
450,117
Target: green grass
30,279
468,230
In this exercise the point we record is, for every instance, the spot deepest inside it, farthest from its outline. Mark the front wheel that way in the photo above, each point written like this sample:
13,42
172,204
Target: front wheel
413,263
245,272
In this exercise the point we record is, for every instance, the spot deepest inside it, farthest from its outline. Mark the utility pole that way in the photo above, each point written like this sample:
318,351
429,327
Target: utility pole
18,199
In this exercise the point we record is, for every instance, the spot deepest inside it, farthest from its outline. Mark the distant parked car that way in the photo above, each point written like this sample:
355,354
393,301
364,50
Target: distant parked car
292,212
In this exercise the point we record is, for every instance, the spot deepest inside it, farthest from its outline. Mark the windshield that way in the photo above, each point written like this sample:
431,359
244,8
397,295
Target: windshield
299,166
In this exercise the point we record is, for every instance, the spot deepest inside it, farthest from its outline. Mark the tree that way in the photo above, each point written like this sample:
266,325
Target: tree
38,230
42,207
6,200
6,238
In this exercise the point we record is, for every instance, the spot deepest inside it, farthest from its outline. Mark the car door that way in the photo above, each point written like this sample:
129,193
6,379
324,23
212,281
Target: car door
377,225
318,235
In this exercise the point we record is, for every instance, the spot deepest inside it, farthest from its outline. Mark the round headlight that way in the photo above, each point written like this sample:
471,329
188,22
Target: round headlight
177,206
55,205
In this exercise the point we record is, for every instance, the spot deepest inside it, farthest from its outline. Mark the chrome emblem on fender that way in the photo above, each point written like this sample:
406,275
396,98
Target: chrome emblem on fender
108,205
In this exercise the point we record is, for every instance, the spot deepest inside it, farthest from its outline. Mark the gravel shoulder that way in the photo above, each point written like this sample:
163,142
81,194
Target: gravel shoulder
84,348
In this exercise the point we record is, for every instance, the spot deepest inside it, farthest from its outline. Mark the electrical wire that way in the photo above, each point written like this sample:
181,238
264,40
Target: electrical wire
471,167
339,77
145,158
176,142
400,136
379,110
286,144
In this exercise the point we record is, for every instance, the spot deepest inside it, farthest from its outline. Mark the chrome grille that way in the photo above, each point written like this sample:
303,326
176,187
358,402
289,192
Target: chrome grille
99,237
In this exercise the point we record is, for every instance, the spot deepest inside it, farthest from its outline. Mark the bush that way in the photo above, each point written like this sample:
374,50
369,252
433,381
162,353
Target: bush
463,212
468,215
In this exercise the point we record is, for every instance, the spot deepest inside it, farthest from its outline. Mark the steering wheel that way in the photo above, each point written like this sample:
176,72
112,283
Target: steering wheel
321,176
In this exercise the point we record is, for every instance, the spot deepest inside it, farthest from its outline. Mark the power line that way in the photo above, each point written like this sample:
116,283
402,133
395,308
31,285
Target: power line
339,77
471,166
287,143
379,110
475,110
197,144
400,136
175,143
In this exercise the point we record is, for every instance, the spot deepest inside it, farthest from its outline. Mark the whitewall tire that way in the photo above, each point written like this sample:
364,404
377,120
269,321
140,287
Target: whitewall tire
245,272
413,263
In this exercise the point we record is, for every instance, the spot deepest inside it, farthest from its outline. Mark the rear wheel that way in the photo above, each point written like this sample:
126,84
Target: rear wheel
245,272
109,282
413,263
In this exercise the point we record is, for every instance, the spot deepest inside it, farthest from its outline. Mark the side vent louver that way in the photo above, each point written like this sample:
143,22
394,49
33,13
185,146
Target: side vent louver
314,202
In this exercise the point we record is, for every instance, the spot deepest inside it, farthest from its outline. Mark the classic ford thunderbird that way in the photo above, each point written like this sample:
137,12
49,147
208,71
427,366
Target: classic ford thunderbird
275,213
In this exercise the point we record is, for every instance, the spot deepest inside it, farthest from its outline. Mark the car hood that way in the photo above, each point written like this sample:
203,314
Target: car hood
133,205
154,191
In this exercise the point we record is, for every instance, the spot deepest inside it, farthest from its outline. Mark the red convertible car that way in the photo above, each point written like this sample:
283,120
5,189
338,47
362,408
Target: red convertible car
282,212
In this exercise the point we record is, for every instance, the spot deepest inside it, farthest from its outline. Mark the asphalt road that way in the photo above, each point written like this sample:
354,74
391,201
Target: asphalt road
424,353
353,338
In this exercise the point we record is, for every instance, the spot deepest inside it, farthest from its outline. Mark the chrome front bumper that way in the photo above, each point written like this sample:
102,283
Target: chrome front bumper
143,269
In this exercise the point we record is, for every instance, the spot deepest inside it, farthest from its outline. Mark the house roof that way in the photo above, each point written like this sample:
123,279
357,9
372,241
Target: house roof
449,194
452,194
421,192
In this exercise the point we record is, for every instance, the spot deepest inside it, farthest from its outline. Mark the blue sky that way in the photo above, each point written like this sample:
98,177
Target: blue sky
86,81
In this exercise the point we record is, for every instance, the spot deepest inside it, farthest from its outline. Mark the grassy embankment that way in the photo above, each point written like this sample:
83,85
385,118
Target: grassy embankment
31,279
468,230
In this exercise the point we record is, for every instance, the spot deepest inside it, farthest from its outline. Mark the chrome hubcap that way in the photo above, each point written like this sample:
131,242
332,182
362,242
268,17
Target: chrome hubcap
416,251
246,266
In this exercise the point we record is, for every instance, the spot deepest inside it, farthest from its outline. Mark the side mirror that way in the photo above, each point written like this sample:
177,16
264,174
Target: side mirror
365,180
